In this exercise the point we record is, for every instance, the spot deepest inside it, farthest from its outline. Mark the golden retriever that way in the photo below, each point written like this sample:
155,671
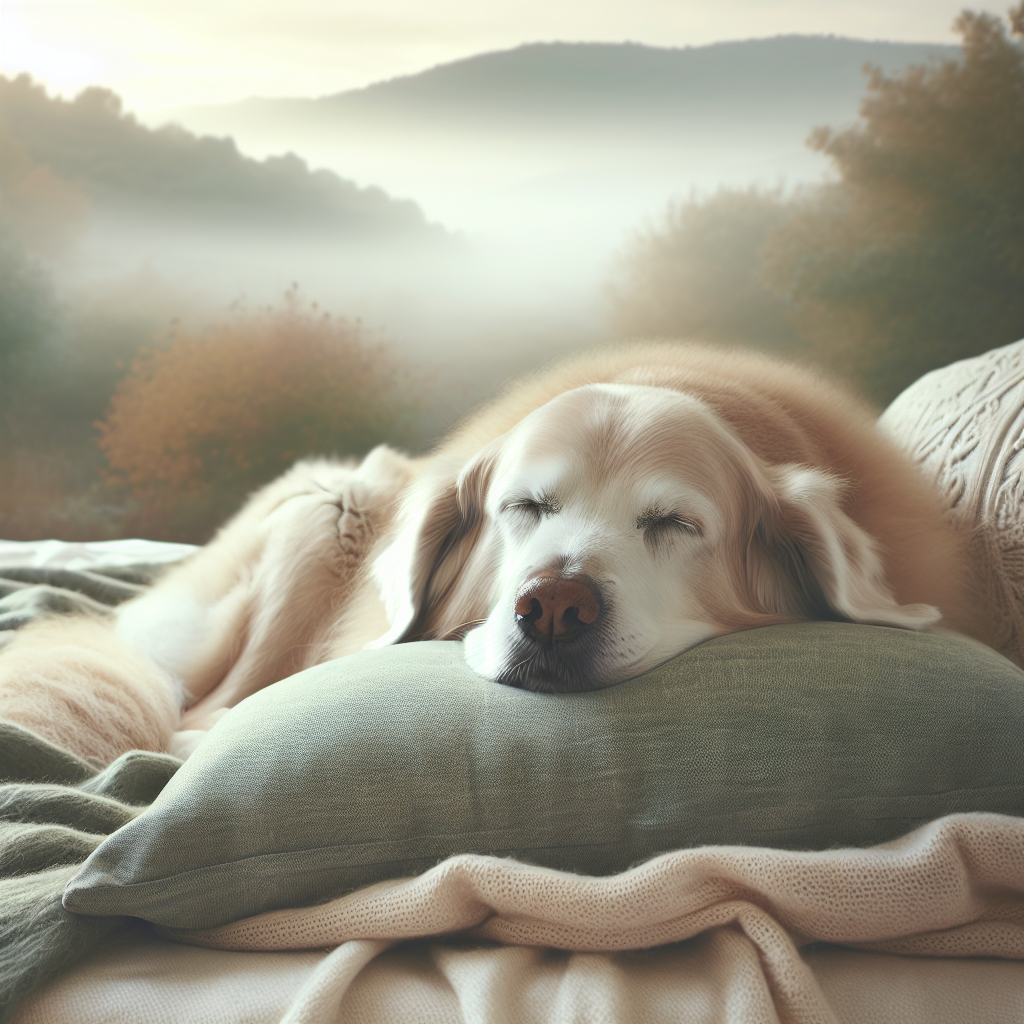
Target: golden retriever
585,527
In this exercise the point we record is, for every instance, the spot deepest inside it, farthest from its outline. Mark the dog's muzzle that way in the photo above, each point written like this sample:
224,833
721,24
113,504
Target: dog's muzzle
558,627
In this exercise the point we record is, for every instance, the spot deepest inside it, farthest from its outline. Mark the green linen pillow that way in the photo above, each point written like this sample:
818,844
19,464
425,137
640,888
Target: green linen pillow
383,763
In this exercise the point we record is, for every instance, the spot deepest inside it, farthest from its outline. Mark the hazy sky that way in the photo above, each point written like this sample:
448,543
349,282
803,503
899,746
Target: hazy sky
160,53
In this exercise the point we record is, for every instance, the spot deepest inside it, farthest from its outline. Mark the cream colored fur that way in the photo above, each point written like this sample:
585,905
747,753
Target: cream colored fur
792,505
74,682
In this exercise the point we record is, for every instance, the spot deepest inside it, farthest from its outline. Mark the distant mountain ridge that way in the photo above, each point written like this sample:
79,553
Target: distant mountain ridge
621,126
553,79
606,81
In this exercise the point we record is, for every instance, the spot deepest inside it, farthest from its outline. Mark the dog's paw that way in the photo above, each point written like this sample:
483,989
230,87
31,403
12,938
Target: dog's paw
364,495
336,520
355,532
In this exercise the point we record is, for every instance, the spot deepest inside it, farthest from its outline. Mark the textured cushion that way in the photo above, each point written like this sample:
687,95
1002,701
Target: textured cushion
380,764
964,425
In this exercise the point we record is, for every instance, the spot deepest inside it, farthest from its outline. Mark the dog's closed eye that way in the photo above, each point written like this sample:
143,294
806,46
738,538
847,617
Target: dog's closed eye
660,527
536,508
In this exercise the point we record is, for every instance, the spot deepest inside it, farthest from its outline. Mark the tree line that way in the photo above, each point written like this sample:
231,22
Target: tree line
910,257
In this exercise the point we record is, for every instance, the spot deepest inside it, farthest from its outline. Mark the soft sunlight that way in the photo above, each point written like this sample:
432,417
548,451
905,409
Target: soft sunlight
165,53
511,510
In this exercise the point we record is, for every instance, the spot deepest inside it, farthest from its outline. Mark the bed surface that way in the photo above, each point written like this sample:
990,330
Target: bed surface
139,978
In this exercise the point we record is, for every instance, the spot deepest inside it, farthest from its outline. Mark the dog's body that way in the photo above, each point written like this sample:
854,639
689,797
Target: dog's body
585,527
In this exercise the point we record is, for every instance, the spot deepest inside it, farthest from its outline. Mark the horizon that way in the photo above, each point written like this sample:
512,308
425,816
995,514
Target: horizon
526,191
158,55
150,115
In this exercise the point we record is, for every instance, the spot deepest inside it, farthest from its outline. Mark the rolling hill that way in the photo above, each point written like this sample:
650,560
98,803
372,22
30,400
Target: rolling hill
128,170
582,129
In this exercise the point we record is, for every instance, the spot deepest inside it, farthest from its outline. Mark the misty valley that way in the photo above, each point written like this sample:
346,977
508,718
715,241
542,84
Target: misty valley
192,300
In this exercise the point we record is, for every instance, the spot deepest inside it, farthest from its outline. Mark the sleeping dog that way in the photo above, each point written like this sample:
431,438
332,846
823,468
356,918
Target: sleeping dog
586,526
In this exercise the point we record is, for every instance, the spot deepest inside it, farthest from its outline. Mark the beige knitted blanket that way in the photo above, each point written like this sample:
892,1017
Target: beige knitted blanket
739,915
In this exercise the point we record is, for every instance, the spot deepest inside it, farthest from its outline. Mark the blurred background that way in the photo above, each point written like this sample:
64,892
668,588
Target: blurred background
236,233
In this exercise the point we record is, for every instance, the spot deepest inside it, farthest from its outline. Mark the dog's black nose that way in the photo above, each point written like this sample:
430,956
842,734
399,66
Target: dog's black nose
554,608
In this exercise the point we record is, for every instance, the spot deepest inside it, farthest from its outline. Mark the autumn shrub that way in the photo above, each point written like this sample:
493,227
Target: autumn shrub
195,427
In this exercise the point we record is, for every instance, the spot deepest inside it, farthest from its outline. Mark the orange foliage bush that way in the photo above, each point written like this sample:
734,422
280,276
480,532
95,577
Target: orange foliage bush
194,427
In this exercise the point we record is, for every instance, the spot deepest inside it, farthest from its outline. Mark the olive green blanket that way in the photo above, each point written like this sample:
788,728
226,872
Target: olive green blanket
54,808
54,811
30,592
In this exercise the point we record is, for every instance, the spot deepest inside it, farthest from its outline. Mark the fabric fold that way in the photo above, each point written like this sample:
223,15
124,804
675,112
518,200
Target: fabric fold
953,888
55,809
960,877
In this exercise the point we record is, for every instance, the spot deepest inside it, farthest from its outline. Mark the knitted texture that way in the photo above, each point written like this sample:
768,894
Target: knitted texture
954,888
54,810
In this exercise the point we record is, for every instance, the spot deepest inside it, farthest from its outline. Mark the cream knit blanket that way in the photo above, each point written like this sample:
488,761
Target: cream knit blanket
953,888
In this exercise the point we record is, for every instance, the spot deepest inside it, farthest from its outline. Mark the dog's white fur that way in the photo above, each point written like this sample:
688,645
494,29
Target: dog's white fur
698,493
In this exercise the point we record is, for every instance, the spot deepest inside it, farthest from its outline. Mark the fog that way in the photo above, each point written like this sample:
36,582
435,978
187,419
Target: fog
538,163
474,217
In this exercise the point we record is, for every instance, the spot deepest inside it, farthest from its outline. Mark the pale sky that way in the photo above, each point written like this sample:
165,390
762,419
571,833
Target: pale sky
163,53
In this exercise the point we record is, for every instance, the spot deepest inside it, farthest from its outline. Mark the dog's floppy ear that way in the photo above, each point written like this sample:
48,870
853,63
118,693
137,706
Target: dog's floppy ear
437,527
809,559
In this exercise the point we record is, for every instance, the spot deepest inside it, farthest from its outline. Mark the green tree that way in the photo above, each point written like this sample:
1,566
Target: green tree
28,317
912,257
915,256
698,274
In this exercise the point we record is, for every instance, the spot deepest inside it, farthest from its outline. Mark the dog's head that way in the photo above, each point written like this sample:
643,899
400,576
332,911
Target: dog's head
611,529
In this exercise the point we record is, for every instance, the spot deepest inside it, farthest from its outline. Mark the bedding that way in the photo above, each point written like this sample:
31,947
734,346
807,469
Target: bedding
104,554
953,888
39,578
31,592
137,977
381,764
741,933
943,699
970,896
55,809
